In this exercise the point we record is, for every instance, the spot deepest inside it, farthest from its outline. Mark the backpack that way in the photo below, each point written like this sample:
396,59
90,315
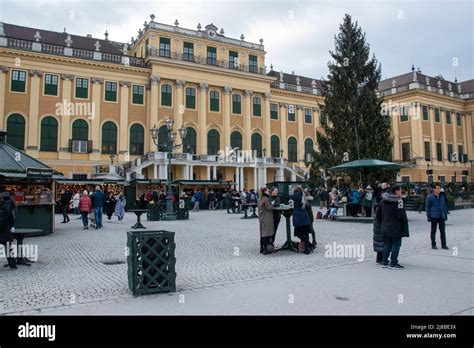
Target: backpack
319,215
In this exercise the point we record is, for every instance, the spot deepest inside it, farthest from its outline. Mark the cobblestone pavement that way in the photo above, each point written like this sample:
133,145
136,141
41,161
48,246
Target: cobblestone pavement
213,249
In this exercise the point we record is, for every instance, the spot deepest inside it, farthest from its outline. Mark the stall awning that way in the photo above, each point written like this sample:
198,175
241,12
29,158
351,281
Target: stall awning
90,182
203,182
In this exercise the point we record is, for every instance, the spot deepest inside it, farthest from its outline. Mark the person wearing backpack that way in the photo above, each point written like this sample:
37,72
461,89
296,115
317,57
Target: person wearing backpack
6,224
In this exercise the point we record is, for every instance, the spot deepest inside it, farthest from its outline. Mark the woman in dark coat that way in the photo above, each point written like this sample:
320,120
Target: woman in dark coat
275,201
265,218
379,238
109,206
6,224
301,220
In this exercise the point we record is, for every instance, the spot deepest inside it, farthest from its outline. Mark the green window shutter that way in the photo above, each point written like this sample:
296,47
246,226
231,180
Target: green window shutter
82,88
189,143
427,151
188,51
165,47
275,146
439,151
236,140
274,111
18,81
137,97
233,59
257,106
308,150
166,95
213,142
49,134
214,100
51,84
256,144
236,104
308,117
292,150
190,98
80,130
458,119
437,117
425,113
109,138
16,131
111,91
403,114
137,139
253,63
291,113
448,117
211,55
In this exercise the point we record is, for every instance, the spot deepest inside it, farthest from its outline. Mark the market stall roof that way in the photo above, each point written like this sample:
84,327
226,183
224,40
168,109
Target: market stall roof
91,182
366,164
14,162
204,182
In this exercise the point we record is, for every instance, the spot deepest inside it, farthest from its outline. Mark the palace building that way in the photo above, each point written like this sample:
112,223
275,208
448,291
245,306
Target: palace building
81,104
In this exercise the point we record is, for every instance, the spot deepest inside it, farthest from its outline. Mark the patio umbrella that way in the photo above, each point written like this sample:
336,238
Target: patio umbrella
364,166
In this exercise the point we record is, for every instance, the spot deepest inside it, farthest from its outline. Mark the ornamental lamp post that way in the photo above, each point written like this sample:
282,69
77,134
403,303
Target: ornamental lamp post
170,213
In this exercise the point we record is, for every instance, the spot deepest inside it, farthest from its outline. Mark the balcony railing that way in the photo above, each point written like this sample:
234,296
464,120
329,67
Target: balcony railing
295,88
27,45
154,52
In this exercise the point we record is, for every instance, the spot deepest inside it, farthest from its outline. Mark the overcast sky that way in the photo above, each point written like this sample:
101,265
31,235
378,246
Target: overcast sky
434,35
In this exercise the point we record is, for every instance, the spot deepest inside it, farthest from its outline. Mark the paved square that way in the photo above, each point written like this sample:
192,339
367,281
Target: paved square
216,250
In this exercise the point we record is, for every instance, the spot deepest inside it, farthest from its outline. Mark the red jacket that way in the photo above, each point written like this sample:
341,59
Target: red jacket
85,204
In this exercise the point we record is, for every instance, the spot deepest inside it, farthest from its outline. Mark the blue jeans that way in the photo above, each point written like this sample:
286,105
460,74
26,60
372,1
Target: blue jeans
98,216
392,245
85,221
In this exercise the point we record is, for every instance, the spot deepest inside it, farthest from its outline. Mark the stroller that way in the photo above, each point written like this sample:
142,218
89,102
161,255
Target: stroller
331,213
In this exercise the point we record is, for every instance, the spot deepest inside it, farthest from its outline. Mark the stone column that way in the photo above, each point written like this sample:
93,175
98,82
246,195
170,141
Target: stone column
247,142
237,178
283,118
123,127
208,171
32,141
300,121
242,181
3,89
179,104
455,141
153,118
255,180
267,130
202,122
156,169
65,119
396,136
227,103
468,124
444,141
214,172
191,172
432,135
95,122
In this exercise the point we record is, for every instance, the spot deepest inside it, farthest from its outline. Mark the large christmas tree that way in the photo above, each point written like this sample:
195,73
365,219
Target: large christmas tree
355,128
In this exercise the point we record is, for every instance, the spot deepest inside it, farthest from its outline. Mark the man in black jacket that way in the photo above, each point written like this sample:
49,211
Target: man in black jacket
65,200
393,226
6,223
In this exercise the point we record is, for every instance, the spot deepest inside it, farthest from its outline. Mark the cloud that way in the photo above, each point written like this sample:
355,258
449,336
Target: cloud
297,34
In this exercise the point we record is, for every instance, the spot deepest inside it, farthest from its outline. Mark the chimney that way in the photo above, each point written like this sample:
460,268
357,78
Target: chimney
89,35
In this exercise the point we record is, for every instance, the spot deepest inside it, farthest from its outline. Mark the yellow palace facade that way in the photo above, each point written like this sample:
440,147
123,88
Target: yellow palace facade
80,103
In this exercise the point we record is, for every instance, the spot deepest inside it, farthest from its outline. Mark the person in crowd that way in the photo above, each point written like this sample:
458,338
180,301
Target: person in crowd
236,201
323,198
265,218
120,207
196,200
75,202
85,208
309,200
98,201
219,199
393,226
109,206
211,199
437,214
6,224
142,201
65,200
275,202
301,221
367,201
229,202
378,237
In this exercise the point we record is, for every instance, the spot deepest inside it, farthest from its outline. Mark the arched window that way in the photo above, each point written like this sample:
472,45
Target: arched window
109,138
236,140
80,130
16,131
257,144
292,150
275,144
308,150
213,142
189,143
137,139
49,134
162,137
